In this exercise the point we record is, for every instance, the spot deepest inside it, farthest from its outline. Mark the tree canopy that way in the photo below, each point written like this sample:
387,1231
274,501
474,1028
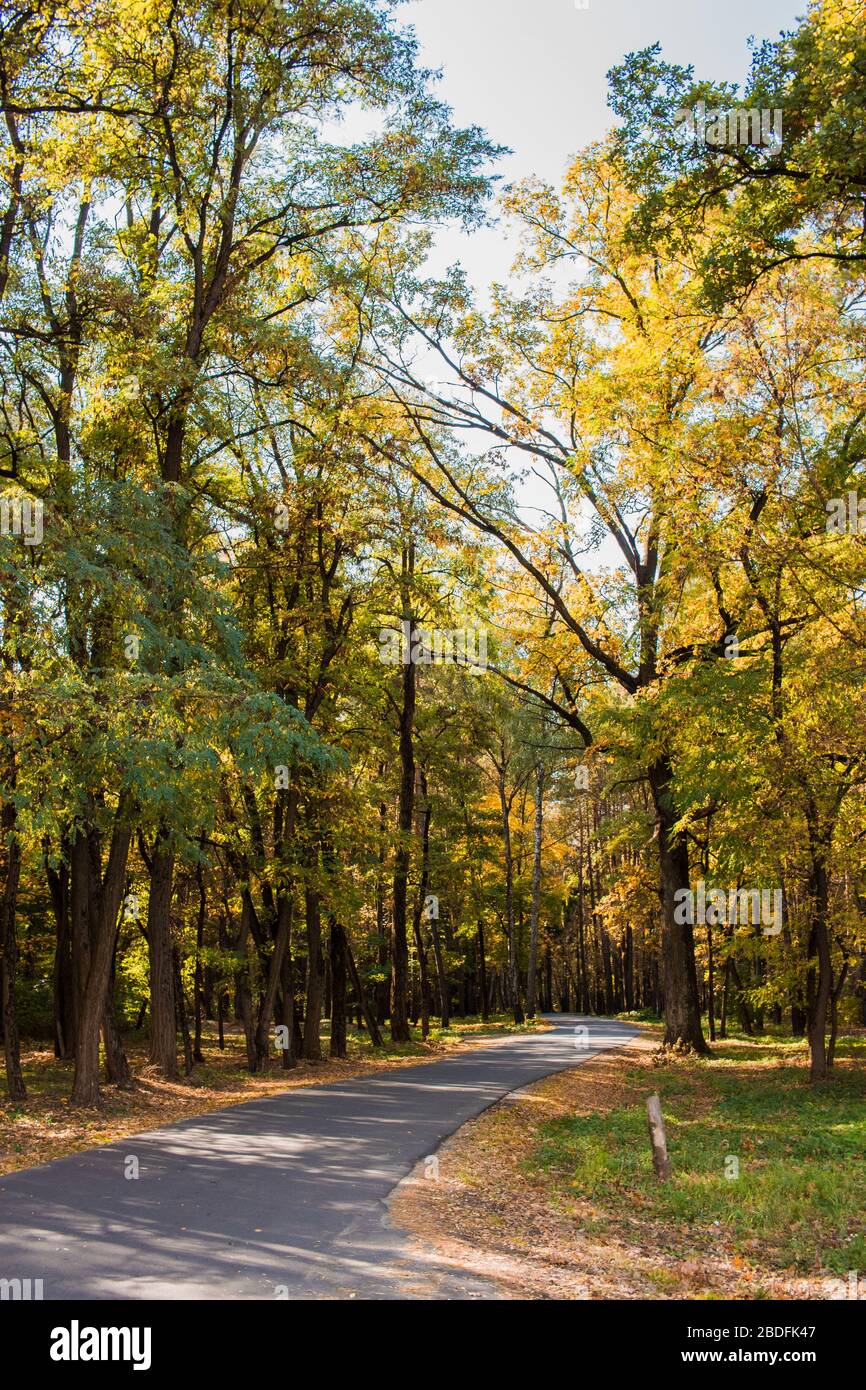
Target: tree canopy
375,647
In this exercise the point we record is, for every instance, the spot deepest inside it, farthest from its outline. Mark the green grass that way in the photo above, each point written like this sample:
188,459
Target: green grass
801,1191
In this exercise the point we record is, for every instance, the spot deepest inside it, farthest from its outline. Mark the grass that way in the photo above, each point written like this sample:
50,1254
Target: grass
761,1159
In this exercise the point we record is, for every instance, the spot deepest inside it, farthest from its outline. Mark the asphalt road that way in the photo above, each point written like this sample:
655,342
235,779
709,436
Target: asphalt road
281,1197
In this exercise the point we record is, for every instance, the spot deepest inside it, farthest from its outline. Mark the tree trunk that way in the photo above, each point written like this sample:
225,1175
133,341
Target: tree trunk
363,1001
482,972
742,1003
282,947
443,985
726,990
423,974
79,921
163,1008
338,955
679,972
383,987
198,978
711,986
116,1065
9,947
513,965
107,895
819,984
181,1022
628,969
243,992
536,890
315,971
287,1001
585,1004
609,1003
400,1032
64,991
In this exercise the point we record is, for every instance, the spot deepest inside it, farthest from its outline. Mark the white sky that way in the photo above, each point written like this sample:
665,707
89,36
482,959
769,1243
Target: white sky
532,73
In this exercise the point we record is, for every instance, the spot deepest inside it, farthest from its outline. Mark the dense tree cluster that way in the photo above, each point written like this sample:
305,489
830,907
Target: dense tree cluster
371,649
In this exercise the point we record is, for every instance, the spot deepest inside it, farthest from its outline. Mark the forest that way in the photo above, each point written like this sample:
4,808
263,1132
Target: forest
378,650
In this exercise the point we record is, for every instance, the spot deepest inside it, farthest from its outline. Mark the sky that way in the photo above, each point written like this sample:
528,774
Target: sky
532,73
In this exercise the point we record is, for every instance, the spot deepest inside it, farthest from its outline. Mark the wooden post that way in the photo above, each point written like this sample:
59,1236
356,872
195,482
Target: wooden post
661,1162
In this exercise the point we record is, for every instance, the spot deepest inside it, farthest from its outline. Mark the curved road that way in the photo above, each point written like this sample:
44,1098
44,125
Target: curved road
282,1197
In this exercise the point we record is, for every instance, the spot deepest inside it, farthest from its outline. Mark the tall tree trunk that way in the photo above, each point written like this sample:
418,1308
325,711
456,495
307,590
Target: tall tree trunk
819,982
163,1008
383,987
679,971
536,890
243,992
483,987
726,994
79,917
198,978
400,1032
419,912
746,1021
9,947
585,1004
282,949
609,1002
64,989
442,982
281,911
423,973
181,1021
107,896
367,1011
628,968
834,1015
315,972
287,1005
10,847
116,1065
711,985
339,963
513,964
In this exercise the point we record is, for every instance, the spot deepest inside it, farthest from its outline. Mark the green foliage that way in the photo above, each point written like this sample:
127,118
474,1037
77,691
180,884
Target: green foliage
799,1149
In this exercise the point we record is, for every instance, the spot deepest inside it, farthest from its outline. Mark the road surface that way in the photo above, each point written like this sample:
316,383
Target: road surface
276,1198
